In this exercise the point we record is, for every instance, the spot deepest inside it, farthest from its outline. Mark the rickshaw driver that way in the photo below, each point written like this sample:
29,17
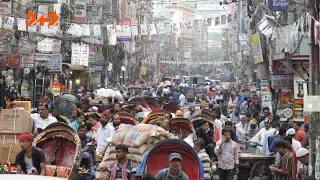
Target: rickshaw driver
31,159
122,168
174,171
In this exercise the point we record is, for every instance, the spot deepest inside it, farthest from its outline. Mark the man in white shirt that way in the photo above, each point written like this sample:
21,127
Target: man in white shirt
295,144
182,99
272,131
42,119
259,137
218,98
106,131
241,128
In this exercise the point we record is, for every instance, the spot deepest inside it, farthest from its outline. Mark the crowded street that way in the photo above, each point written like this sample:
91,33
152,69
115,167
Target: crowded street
159,89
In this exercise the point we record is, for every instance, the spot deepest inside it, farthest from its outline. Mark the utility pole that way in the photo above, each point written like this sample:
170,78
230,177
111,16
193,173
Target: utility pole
313,86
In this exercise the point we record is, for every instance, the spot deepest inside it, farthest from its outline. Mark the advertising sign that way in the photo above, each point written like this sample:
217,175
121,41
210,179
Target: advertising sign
279,5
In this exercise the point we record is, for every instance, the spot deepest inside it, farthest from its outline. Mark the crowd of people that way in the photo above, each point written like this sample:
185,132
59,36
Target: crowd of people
248,123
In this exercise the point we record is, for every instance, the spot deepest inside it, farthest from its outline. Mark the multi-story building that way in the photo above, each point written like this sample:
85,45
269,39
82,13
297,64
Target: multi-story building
181,13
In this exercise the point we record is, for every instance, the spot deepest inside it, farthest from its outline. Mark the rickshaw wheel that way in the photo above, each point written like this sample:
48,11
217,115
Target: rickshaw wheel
260,169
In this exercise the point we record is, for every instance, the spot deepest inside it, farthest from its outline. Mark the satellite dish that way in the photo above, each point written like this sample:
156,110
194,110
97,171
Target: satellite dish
287,113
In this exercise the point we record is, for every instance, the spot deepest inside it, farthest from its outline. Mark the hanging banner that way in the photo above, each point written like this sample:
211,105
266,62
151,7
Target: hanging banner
256,48
300,87
84,55
125,28
75,53
80,11
5,8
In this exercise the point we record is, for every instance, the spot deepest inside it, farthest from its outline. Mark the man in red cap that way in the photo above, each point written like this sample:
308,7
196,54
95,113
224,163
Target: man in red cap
104,132
31,160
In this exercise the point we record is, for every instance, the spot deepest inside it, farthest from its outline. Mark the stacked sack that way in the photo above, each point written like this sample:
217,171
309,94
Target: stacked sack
139,139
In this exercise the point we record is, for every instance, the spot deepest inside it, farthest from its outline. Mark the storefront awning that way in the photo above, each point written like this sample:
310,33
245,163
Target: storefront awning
75,67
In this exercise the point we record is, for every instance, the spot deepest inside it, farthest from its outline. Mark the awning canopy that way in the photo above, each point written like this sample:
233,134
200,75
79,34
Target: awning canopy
75,67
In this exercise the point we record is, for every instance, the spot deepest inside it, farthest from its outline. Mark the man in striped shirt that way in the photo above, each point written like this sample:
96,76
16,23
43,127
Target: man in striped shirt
199,147
285,170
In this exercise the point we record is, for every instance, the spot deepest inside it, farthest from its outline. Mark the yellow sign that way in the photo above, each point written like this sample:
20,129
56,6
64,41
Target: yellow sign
256,48
143,70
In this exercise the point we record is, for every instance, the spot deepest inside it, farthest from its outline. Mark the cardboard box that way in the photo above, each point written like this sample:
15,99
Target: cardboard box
15,121
8,153
25,104
9,139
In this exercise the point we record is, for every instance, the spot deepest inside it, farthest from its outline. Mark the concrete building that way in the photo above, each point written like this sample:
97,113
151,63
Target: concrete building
179,40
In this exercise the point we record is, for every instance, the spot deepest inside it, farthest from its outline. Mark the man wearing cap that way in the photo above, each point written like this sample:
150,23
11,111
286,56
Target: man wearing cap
179,114
259,137
303,156
31,160
295,144
174,171
105,131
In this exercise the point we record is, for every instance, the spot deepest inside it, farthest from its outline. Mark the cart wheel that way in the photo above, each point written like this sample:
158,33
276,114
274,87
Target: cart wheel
260,169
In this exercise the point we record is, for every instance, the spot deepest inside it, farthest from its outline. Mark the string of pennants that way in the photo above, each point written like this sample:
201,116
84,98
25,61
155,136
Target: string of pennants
288,35
95,30
195,62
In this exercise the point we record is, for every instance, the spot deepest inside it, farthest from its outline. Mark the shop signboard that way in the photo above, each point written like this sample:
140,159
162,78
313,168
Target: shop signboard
125,26
5,8
53,61
80,14
94,13
279,5
282,81
300,87
11,61
265,95
27,61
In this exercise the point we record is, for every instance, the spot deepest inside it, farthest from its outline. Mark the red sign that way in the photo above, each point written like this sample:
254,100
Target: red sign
52,19
11,62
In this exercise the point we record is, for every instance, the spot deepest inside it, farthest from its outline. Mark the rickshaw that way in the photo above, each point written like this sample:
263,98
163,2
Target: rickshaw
66,104
152,103
154,116
62,148
127,118
141,101
128,106
196,120
245,91
156,159
136,88
184,125
171,106
206,112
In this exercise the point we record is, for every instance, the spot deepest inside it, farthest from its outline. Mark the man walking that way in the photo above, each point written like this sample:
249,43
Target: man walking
228,159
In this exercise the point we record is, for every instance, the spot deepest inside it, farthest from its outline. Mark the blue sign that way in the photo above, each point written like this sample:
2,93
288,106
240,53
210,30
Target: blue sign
279,5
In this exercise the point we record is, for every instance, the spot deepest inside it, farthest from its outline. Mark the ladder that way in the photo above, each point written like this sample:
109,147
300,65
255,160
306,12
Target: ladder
38,91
